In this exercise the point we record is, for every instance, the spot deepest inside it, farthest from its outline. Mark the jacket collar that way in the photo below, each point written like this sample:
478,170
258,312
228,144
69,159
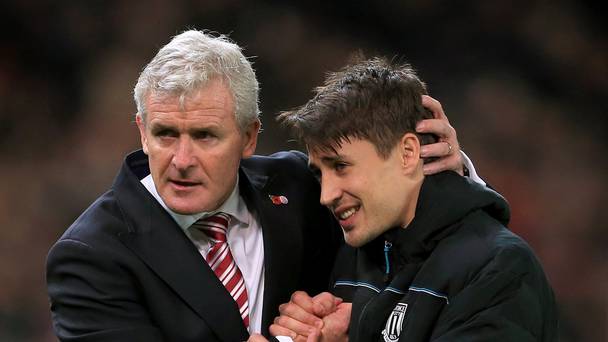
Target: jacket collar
282,237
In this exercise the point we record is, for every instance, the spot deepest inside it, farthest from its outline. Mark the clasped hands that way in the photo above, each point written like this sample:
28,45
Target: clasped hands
322,318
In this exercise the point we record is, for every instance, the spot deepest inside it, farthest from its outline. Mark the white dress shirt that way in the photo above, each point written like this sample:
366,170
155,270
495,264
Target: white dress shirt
245,239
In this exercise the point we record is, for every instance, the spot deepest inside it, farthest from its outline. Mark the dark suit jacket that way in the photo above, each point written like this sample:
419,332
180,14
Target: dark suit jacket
125,271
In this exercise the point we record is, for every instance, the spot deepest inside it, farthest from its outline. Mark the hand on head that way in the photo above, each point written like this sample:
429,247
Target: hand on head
447,149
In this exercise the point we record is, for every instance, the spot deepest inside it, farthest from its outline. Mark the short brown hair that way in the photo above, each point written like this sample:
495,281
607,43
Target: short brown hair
374,99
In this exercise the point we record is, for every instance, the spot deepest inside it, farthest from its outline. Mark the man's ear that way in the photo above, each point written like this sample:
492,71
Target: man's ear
409,148
142,132
251,139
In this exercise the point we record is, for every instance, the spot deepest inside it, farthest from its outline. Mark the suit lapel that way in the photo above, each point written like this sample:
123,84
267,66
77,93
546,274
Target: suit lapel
164,247
282,241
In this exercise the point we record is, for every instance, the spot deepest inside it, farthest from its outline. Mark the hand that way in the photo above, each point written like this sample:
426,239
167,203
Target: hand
335,328
335,325
303,315
447,149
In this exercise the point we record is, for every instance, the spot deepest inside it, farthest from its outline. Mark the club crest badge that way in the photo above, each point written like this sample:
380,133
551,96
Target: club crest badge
392,330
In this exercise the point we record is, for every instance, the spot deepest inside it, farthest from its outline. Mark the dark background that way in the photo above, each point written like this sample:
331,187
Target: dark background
523,82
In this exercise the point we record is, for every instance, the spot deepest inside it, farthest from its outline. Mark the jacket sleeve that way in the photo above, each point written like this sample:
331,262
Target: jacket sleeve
509,300
92,297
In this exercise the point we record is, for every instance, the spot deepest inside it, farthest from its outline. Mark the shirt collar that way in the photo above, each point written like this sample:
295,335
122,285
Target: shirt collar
234,206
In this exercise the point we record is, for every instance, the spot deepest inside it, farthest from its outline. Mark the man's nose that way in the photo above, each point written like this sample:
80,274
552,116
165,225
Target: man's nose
330,191
183,155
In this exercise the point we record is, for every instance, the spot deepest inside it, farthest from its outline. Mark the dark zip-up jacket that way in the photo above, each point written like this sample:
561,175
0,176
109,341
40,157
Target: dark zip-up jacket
454,274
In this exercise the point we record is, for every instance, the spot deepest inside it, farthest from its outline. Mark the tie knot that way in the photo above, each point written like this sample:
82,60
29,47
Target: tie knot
214,226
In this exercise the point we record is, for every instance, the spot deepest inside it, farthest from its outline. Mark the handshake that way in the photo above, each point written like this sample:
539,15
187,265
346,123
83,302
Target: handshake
310,319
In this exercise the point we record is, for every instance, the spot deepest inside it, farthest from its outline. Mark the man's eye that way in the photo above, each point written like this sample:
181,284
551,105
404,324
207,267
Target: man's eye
165,133
340,166
203,135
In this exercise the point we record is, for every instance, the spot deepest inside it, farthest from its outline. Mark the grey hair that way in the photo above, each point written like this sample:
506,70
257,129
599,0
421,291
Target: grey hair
189,61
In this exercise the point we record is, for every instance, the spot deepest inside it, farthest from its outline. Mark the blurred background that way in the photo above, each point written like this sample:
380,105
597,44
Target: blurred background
523,83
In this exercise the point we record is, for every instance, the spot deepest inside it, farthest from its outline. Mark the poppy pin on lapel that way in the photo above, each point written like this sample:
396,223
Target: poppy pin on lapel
278,200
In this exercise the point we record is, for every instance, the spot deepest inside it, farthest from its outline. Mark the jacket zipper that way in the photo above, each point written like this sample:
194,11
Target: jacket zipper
387,249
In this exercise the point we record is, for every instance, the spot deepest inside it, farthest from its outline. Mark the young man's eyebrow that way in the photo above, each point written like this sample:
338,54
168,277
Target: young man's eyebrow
329,159
332,159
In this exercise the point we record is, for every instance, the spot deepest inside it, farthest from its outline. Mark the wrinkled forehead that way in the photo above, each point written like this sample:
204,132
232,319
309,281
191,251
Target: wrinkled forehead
211,94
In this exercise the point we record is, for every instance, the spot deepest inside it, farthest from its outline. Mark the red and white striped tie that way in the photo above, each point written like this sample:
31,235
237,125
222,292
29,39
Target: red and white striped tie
221,261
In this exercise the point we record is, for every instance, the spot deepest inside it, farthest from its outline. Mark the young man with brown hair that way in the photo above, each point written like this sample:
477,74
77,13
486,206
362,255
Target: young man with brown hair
429,258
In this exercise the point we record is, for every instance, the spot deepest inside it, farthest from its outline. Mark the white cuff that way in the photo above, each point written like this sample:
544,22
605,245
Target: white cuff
472,173
284,338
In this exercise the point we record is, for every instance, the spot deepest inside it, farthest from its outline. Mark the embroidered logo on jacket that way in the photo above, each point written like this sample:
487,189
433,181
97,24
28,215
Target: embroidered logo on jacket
392,330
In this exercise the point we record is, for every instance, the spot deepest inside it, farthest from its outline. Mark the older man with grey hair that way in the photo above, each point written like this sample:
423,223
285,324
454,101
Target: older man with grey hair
197,239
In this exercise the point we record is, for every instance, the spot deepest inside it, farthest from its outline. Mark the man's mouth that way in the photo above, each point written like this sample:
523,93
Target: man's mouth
346,214
183,183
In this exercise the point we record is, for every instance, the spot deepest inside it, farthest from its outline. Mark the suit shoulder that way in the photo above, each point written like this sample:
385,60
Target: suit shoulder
291,163
292,157
103,218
